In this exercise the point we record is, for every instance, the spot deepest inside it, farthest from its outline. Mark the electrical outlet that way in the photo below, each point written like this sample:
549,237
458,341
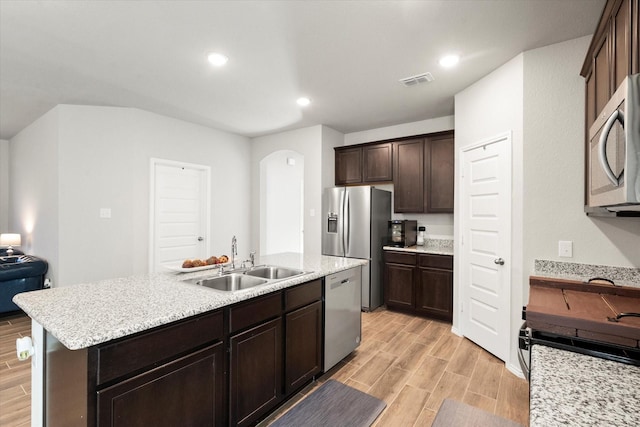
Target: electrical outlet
565,248
105,212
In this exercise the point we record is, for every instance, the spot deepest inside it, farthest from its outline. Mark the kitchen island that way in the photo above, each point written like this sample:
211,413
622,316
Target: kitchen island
118,350
572,389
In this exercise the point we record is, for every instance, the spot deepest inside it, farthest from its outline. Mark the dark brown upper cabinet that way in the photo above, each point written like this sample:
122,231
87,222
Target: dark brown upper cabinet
408,176
424,174
363,164
377,163
613,54
348,165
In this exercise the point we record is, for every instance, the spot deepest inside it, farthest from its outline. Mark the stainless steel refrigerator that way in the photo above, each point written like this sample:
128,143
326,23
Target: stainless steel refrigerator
355,226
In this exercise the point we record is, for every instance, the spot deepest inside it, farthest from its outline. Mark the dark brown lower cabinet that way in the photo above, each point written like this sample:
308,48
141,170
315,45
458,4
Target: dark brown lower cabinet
188,391
256,372
434,293
419,283
303,345
399,287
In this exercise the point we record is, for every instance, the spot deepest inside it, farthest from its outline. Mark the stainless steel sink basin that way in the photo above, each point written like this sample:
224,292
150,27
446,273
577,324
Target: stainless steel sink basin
273,272
230,282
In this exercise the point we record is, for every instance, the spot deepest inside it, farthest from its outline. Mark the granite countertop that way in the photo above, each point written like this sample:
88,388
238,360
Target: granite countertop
572,389
625,276
431,246
83,315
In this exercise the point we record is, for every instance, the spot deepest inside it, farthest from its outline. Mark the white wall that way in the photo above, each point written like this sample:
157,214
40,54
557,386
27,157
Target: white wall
33,191
438,225
4,186
554,167
103,161
281,202
490,107
308,142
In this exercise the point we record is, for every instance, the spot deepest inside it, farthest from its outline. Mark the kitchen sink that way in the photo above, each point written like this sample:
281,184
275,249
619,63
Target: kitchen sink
230,282
273,272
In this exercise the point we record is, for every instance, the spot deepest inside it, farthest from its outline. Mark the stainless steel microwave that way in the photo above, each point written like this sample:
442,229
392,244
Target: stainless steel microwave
613,166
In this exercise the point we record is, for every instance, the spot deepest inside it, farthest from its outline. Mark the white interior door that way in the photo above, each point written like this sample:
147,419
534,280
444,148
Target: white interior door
486,248
179,213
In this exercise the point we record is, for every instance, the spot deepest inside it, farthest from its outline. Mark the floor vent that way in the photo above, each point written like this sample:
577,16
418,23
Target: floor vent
414,80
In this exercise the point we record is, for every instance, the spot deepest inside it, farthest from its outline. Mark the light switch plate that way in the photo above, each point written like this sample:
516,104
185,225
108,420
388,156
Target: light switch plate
565,248
105,212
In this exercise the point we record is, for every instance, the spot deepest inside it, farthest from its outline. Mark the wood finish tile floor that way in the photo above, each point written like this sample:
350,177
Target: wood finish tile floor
411,363
15,376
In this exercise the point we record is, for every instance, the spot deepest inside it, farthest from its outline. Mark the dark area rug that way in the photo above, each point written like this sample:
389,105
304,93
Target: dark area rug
457,414
333,404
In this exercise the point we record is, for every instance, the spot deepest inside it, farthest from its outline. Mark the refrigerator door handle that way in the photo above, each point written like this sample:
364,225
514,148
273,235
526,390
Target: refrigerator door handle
347,223
342,221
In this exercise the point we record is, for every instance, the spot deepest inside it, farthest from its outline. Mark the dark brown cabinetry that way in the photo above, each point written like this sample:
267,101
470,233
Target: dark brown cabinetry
303,352
189,388
434,289
423,174
613,54
256,372
363,164
408,176
164,376
419,283
229,367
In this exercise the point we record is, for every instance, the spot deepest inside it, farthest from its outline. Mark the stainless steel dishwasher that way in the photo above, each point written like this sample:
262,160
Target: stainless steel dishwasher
342,318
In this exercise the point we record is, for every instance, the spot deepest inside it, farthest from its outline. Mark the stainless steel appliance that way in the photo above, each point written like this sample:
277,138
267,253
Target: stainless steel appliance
355,226
613,170
342,319
402,233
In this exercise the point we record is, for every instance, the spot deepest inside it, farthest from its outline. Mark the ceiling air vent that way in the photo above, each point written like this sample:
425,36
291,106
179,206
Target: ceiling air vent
414,80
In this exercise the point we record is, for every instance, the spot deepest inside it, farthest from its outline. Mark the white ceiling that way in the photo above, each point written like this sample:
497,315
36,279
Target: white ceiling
347,56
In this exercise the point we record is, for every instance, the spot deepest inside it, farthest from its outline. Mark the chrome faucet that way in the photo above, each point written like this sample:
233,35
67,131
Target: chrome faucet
234,251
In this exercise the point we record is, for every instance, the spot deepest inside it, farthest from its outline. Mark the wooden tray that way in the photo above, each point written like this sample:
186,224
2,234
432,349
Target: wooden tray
579,309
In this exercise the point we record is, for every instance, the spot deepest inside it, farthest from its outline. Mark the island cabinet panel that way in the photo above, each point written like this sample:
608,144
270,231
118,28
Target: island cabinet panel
302,295
303,345
256,372
119,358
189,388
254,311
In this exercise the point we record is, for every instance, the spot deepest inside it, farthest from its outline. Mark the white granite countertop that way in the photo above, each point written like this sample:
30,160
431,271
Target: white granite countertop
572,389
432,246
84,315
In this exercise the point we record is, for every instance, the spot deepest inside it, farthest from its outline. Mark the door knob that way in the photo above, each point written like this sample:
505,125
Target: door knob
499,261
200,239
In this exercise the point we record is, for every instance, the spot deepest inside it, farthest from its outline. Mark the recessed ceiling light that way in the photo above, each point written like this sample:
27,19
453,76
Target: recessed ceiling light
449,61
217,59
303,102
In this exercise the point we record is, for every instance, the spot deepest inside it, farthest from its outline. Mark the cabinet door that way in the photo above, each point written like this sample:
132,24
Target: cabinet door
256,372
621,43
408,176
439,174
434,293
348,166
602,73
186,392
399,285
377,163
303,345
